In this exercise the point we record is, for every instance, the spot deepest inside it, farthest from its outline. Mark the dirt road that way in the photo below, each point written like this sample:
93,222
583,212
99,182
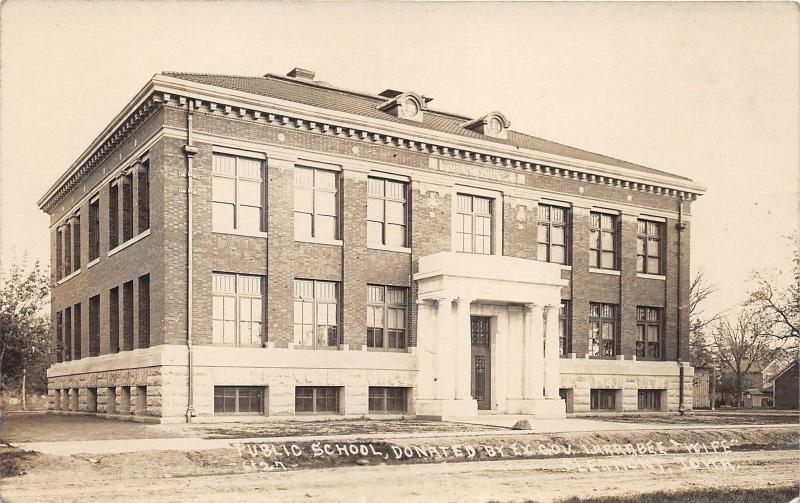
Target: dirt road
519,480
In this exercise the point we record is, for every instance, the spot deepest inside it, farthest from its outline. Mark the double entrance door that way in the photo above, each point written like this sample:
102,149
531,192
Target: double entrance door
481,361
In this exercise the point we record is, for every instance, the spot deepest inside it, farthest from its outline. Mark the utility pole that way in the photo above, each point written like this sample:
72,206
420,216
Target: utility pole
713,385
24,378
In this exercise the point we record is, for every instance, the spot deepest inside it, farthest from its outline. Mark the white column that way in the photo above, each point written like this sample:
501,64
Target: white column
426,350
551,357
444,341
534,349
463,350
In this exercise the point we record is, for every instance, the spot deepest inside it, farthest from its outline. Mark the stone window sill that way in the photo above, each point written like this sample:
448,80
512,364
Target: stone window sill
659,277
234,232
93,262
611,272
68,277
129,242
331,242
399,249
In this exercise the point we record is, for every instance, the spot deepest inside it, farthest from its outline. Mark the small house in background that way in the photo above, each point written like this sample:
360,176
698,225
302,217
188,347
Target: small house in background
701,383
785,387
754,398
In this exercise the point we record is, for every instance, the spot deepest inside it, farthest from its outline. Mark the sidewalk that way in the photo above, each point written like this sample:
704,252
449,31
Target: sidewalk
68,448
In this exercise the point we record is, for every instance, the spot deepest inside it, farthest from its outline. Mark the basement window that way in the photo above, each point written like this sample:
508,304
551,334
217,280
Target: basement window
387,400
603,399
239,400
316,400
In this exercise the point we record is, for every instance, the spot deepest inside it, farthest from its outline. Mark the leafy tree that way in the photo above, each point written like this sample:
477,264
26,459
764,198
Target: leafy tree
779,301
742,345
24,324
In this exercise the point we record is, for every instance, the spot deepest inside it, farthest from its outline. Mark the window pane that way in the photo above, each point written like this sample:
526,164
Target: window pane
223,189
594,239
375,232
304,177
302,224
395,212
223,165
325,203
653,265
304,200
324,179
325,290
250,193
544,212
543,234
558,215
464,203
250,219
249,168
607,260
375,209
375,187
607,241
396,190
222,216
481,205
325,228
244,310
541,252
395,235
558,254
557,235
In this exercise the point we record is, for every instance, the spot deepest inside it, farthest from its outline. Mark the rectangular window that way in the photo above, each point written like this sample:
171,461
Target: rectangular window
603,399
143,195
648,332
239,399
386,317
387,213
59,253
113,320
552,234
76,242
316,400
113,215
564,332
68,334
59,337
94,326
127,206
603,241
387,400
237,193
77,333
650,399
127,316
67,249
316,205
316,308
237,309
473,224
94,229
648,247
603,329
144,311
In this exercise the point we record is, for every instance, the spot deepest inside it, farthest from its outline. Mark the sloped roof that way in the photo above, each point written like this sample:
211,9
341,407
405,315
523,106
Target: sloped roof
323,95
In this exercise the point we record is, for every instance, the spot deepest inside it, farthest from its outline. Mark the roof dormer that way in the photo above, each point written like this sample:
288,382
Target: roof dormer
408,105
493,124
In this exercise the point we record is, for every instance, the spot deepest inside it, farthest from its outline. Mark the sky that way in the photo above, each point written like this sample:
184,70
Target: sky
706,90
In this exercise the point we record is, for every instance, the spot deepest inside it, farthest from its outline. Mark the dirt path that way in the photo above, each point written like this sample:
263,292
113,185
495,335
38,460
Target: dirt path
539,480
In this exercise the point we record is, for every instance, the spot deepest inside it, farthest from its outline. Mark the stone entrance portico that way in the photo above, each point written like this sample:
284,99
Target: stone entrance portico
521,299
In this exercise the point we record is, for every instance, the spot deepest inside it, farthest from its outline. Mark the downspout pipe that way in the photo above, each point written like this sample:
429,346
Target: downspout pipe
190,151
680,227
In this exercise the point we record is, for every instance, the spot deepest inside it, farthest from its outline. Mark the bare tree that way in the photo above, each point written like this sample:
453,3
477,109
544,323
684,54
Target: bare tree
700,345
780,304
742,345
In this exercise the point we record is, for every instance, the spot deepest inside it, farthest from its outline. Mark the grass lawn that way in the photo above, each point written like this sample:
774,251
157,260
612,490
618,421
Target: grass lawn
715,495
720,417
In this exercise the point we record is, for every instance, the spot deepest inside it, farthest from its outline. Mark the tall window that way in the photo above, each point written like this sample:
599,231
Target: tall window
239,399
386,212
94,326
315,204
77,333
127,316
94,229
316,313
237,309
144,311
113,215
648,247
143,196
68,334
237,192
59,337
603,329
648,332
316,400
127,206
564,339
552,234
473,224
59,253
76,242
113,320
67,249
386,317
603,241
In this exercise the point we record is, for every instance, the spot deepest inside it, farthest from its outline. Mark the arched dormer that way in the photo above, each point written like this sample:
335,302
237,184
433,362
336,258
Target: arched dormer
408,105
493,124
